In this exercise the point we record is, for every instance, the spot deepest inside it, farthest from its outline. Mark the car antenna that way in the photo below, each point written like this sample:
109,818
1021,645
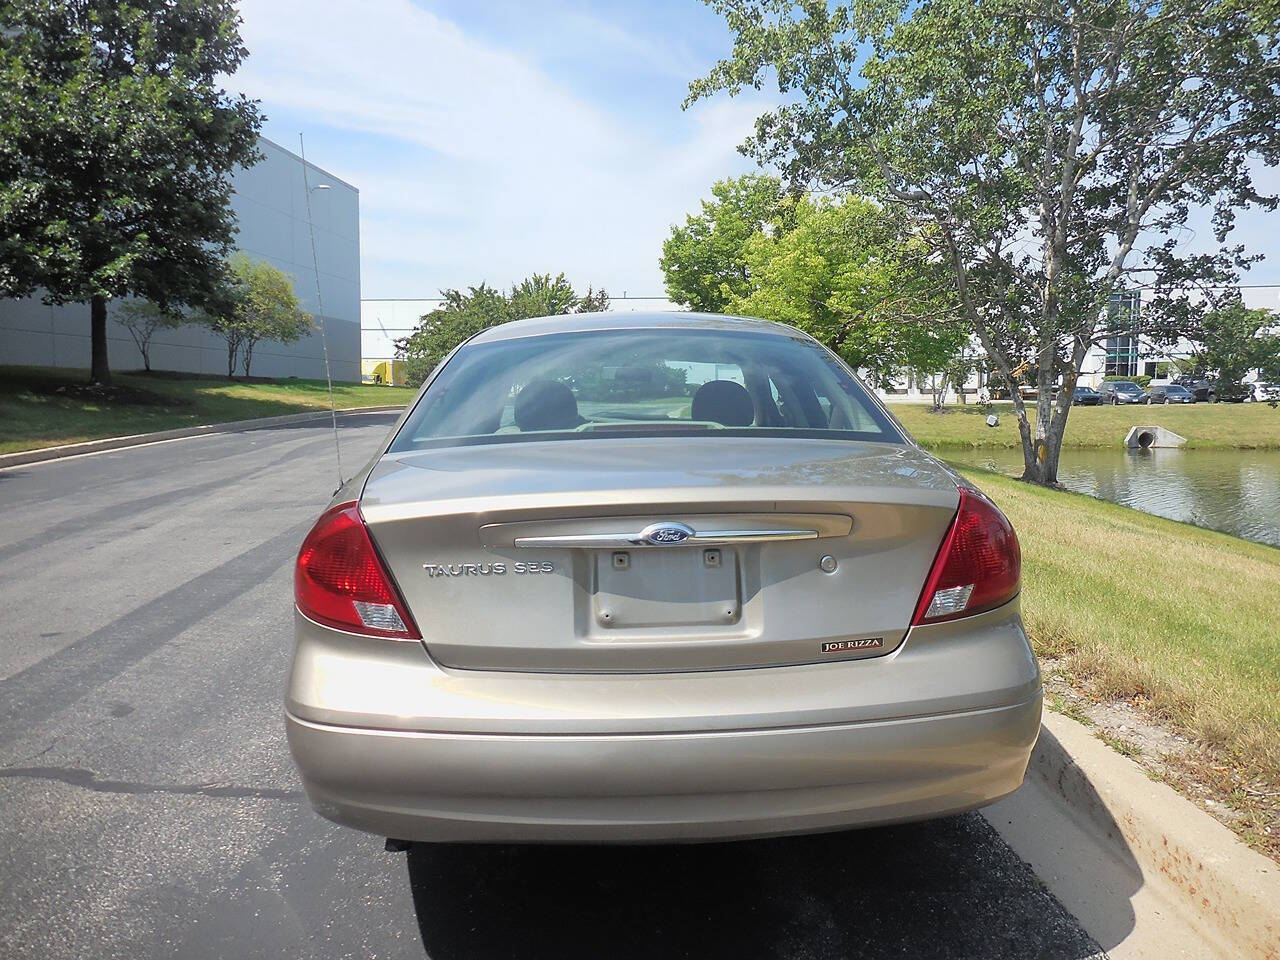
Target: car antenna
324,339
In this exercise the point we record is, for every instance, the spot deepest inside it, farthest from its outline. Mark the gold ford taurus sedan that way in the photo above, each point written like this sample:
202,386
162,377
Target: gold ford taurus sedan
626,577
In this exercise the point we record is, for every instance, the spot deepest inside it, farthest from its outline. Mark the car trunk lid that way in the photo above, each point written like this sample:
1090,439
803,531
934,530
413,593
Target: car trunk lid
659,554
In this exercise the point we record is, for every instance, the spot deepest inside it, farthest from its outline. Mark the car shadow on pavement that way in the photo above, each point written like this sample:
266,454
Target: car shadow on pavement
946,888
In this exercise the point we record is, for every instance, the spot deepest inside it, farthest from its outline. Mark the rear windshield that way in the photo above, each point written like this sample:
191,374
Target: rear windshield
642,382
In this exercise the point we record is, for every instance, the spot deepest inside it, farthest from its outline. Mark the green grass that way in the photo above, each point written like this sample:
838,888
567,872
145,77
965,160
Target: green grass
1210,426
32,416
1181,621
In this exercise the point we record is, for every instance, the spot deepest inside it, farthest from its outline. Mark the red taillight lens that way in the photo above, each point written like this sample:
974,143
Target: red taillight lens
339,579
978,567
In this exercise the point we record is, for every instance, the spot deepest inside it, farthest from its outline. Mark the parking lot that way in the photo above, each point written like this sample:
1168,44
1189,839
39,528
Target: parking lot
150,807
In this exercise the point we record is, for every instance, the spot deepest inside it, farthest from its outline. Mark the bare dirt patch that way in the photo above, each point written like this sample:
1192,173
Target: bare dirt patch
112,395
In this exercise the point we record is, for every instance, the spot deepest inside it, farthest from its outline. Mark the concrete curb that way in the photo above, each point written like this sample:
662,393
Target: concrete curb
181,433
1147,872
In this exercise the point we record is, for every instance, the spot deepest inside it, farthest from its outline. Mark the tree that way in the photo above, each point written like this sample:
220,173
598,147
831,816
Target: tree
1047,150
703,261
266,306
459,318
955,374
116,142
143,319
594,301
541,295
224,322
462,315
260,305
1232,340
845,275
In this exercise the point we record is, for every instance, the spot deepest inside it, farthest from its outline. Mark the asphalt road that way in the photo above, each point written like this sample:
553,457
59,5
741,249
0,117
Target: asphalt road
148,806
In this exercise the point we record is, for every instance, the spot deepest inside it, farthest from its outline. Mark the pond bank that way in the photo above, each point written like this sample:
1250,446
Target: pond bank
1206,426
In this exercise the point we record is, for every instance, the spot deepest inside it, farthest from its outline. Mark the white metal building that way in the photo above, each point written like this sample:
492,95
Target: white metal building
1132,356
270,205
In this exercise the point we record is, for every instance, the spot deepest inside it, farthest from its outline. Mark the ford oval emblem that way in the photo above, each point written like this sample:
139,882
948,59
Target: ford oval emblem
665,534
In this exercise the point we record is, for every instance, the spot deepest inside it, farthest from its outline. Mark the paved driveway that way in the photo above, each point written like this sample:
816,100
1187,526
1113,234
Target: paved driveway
148,807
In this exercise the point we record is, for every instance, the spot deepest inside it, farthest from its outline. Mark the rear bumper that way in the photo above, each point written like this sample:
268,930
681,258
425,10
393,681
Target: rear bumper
670,787
387,741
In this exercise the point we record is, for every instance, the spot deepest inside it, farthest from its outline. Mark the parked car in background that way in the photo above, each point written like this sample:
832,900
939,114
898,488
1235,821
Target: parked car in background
1225,391
1214,391
1170,393
1121,391
1086,397
655,577
1263,393
1201,388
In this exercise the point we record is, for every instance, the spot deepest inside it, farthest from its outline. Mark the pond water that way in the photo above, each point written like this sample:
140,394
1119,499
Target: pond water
1235,491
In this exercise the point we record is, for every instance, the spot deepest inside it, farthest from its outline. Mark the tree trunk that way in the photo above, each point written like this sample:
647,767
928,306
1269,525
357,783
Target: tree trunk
1041,462
1042,466
233,348
248,357
1030,461
100,370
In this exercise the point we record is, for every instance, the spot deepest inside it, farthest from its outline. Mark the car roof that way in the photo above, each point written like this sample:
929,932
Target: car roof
647,320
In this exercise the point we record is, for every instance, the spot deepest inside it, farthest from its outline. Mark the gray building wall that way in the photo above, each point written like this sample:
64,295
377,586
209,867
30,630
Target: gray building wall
270,205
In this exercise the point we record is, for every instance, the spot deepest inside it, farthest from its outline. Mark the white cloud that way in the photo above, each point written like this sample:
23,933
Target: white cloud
472,161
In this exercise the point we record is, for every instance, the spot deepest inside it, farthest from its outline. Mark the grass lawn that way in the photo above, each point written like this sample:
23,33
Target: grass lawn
33,414
1221,426
1181,622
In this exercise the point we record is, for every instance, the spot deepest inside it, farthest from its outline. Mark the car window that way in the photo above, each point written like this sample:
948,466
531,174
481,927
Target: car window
646,382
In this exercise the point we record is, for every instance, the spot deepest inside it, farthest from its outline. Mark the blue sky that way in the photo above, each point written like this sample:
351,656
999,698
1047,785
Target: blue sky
493,140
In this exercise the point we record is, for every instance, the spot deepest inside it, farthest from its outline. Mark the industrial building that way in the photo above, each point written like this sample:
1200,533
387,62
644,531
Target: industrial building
270,203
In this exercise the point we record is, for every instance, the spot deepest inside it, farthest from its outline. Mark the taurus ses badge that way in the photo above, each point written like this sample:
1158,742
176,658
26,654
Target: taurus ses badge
661,534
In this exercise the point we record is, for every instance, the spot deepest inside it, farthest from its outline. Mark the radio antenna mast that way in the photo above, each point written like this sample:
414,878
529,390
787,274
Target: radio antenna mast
324,338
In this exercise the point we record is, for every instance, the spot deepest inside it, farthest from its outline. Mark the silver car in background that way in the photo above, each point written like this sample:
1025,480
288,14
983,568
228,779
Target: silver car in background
627,577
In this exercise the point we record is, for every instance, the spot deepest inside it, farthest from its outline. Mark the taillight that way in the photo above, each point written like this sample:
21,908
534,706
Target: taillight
978,567
339,579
